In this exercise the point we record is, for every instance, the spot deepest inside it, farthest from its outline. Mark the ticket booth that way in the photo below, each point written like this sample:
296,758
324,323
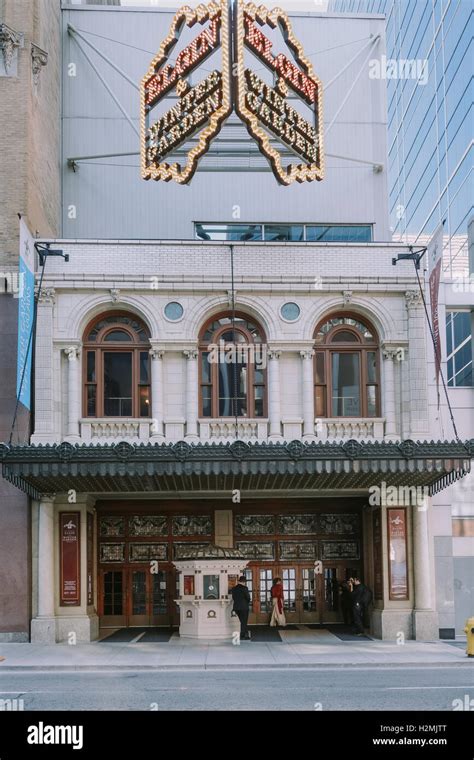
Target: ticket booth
206,577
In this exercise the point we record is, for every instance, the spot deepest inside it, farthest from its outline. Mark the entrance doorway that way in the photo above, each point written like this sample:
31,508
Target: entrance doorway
311,592
138,597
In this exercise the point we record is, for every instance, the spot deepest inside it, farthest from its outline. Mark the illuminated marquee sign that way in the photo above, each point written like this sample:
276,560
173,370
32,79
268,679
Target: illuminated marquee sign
200,109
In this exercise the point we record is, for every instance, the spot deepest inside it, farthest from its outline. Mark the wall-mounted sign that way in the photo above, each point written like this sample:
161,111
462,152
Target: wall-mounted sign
197,109
378,553
397,554
233,40
70,558
90,558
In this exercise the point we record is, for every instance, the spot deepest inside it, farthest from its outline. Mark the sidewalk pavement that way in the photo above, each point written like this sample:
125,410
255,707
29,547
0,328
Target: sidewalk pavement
302,648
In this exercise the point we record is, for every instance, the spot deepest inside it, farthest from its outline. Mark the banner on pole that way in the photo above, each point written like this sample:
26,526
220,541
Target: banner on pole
26,307
435,258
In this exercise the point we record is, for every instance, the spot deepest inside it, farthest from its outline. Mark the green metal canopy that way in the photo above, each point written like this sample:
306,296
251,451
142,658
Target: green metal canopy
171,468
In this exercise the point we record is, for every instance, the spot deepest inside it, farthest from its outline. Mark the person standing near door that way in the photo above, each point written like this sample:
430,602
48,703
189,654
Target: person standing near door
360,595
278,615
241,599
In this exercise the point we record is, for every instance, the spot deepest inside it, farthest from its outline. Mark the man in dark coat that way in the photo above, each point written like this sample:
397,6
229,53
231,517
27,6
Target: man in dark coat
361,598
241,598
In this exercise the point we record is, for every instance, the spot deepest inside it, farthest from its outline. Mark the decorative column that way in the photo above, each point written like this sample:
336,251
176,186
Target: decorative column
73,393
156,394
274,393
43,627
44,431
425,619
389,353
191,393
418,368
308,393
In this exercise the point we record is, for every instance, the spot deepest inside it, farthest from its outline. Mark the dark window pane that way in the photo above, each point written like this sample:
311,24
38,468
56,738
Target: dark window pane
91,400
331,589
139,593
232,390
339,234
117,384
206,401
284,232
144,367
371,401
160,606
345,385
144,401
118,335
113,593
205,368
320,401
320,367
344,336
228,231
371,367
91,366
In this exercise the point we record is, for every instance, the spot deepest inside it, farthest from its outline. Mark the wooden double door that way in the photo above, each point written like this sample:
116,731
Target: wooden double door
136,596
311,591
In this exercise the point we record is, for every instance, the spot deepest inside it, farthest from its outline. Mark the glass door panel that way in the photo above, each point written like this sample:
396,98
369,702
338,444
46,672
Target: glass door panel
112,598
139,614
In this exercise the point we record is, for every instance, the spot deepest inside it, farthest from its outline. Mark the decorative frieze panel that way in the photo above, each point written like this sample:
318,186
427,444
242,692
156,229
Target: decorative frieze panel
297,524
259,550
148,552
112,552
109,527
183,551
337,523
254,525
192,525
148,525
340,550
295,550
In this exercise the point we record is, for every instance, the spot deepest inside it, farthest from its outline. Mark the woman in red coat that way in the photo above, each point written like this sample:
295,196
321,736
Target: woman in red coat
278,615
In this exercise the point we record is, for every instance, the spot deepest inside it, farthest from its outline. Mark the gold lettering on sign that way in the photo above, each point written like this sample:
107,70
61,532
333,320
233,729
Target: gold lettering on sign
265,109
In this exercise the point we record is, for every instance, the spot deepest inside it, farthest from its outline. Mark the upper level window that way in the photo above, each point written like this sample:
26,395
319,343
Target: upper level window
315,233
232,366
116,367
459,348
346,368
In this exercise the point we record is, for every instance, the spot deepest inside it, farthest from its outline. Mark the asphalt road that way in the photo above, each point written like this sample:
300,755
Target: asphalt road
286,689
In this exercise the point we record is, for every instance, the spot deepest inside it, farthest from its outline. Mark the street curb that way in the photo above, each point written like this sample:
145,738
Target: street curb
230,666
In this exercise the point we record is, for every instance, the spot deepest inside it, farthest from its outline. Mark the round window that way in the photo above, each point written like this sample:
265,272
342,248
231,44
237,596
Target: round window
173,311
290,311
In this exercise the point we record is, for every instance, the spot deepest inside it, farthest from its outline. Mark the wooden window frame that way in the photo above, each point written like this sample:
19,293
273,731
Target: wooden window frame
99,347
328,347
214,369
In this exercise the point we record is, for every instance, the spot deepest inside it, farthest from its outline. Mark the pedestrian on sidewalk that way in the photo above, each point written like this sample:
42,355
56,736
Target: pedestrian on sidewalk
345,592
278,616
241,599
361,598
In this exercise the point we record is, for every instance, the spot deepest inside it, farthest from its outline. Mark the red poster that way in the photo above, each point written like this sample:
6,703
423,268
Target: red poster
90,558
189,585
378,558
70,558
397,553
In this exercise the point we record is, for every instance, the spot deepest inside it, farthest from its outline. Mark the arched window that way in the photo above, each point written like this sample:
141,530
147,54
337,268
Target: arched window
232,368
116,367
346,368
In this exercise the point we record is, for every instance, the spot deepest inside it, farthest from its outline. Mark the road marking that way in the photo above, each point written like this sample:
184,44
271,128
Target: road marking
401,688
137,638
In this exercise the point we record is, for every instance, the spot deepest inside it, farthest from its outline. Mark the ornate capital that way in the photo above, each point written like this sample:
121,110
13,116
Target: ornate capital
307,353
115,294
390,352
412,299
47,296
9,42
39,58
346,297
72,352
191,353
156,353
231,301
273,353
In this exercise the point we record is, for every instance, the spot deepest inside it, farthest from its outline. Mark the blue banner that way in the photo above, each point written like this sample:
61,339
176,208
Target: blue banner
26,307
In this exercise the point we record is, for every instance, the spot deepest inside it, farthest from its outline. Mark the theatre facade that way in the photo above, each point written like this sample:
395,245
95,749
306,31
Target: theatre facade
278,416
